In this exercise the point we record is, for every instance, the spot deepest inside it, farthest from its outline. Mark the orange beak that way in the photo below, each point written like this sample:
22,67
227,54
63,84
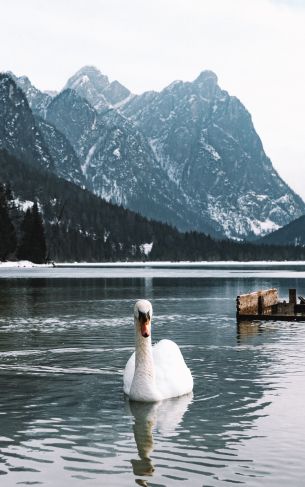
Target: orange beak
145,329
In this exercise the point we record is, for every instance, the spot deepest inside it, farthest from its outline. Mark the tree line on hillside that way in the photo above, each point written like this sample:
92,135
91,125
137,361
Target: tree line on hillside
24,241
79,226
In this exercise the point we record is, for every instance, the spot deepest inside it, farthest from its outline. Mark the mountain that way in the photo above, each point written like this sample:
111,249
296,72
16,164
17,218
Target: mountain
66,164
119,164
95,87
291,234
19,134
32,139
80,226
205,140
188,155
38,100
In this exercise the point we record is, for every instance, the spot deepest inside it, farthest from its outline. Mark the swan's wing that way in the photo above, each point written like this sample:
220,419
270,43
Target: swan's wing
129,373
173,377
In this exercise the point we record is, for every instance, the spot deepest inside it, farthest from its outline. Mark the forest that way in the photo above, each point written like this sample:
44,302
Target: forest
64,222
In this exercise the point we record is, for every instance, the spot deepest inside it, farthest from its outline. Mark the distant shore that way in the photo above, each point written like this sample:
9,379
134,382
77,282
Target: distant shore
27,264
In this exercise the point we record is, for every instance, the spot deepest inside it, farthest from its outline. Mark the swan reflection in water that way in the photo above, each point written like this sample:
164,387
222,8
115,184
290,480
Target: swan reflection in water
163,417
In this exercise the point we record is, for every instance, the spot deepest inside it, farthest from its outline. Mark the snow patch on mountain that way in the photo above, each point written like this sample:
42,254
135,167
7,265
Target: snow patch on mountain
260,228
117,153
210,149
112,192
164,161
146,248
85,166
23,205
126,100
238,222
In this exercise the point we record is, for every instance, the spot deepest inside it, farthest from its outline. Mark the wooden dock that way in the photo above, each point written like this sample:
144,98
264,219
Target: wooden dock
265,305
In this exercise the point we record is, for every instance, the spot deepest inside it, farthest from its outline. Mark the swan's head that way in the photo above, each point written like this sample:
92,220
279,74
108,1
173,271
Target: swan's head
143,315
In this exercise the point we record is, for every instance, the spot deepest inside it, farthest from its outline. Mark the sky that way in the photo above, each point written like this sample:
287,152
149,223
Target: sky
256,48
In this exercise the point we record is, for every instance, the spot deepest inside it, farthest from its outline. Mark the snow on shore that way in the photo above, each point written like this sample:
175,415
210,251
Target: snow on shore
156,264
181,263
22,263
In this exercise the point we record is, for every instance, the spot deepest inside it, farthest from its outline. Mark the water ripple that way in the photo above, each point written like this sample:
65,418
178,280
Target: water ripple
65,421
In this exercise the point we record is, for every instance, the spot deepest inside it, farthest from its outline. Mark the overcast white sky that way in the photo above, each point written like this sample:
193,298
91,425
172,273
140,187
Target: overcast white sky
256,48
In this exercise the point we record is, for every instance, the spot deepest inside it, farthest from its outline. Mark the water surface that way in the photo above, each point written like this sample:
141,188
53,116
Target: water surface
64,342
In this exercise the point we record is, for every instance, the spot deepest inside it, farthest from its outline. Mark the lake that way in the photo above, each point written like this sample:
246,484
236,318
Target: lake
65,337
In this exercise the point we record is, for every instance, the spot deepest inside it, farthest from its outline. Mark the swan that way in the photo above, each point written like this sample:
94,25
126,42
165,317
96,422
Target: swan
154,373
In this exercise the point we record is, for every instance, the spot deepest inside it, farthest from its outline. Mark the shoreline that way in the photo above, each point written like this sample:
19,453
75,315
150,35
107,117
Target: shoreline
153,264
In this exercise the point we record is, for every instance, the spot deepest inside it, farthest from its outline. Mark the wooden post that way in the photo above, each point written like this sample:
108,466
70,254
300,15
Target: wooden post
237,306
292,296
260,305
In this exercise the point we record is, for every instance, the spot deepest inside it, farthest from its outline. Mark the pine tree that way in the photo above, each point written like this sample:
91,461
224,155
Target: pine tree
33,243
8,240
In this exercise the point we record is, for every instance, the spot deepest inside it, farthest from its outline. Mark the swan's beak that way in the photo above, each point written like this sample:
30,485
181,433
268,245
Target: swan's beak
144,319
145,329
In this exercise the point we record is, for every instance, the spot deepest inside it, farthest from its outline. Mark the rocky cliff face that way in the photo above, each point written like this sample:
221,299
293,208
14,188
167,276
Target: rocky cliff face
32,139
205,141
96,88
119,164
19,133
66,164
38,100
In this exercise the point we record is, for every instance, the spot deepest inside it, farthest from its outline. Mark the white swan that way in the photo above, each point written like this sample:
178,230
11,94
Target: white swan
154,373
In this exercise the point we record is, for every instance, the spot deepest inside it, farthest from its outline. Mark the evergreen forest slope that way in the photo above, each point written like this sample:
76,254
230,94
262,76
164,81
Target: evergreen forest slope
80,226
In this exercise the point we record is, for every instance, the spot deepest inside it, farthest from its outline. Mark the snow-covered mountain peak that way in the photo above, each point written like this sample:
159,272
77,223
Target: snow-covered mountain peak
38,100
91,84
206,82
207,76
88,75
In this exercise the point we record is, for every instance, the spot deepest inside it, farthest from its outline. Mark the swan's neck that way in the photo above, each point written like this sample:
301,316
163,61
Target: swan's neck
144,358
143,387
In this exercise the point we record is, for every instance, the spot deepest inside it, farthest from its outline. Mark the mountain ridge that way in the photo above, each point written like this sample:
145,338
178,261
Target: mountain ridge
90,83
291,234
193,134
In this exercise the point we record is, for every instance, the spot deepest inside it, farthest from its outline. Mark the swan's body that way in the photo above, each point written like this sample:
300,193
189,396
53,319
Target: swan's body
158,372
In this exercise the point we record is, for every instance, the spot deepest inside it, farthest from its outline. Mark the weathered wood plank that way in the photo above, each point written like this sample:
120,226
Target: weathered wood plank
283,309
258,302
